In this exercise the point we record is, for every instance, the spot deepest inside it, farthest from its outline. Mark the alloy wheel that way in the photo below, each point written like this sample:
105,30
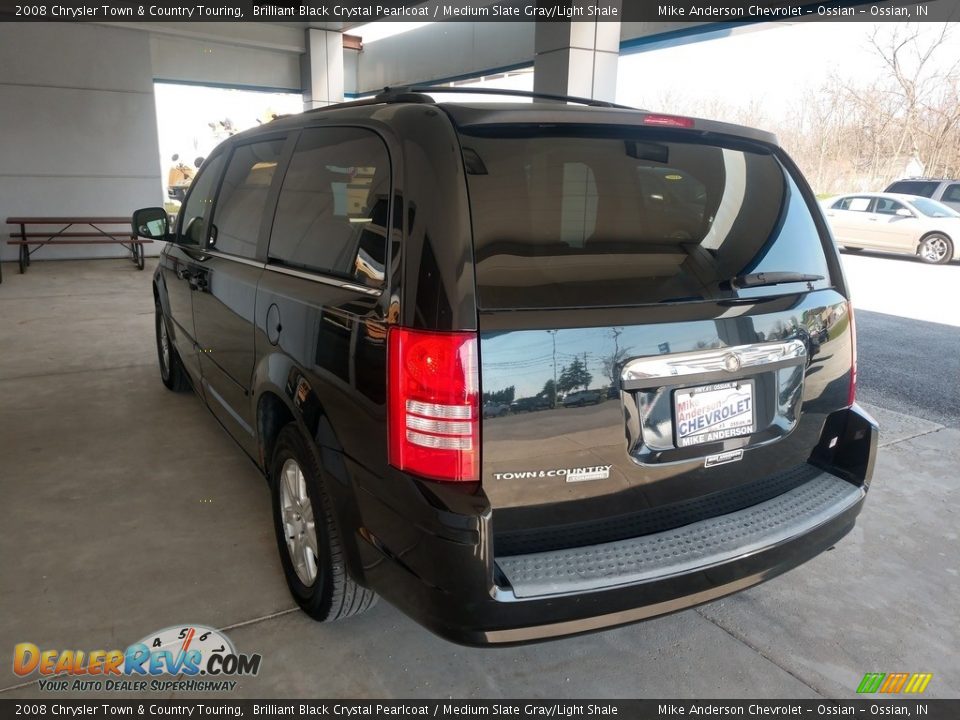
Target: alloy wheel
934,249
298,522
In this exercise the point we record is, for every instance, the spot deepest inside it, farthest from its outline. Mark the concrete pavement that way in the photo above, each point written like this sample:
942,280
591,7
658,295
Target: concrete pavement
904,286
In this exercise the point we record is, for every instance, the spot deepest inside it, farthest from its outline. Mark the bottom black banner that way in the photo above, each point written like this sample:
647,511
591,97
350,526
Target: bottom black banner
521,709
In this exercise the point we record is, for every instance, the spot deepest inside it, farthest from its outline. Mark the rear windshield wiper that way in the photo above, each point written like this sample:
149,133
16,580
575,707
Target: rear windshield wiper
760,279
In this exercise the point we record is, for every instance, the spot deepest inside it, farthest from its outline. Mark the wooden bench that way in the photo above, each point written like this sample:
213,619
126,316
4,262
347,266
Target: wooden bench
73,231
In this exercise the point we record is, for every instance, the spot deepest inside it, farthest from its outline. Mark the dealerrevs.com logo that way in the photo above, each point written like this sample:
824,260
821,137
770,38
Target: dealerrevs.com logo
185,657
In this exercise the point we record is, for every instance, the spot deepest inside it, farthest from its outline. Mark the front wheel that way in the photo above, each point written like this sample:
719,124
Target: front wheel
308,538
936,249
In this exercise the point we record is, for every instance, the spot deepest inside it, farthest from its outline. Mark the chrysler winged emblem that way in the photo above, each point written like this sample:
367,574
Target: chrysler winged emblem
731,362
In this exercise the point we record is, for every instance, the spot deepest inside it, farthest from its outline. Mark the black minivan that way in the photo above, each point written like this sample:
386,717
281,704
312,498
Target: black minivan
348,287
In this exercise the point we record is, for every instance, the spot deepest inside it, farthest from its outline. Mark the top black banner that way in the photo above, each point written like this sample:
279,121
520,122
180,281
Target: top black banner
351,12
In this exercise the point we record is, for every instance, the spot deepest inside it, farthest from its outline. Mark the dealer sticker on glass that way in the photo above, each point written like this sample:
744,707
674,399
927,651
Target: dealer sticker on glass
713,412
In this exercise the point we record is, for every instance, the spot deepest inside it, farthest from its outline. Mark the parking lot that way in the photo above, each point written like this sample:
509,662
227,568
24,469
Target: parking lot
127,509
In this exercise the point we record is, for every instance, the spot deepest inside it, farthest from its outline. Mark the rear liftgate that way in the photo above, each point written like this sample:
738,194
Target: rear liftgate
712,405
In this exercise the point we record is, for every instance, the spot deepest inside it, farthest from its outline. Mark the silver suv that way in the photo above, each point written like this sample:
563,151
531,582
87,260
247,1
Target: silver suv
945,191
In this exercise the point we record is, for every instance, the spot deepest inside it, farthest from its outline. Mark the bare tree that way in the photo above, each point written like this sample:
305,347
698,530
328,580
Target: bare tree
915,84
853,134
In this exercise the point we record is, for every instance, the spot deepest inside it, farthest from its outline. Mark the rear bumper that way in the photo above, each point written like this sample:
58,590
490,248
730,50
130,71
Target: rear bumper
446,578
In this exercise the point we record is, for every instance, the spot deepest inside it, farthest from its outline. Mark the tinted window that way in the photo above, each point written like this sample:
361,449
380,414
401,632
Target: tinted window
332,211
951,194
570,217
243,197
195,216
857,204
914,187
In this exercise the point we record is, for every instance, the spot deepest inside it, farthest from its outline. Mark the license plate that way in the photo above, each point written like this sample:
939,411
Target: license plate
713,412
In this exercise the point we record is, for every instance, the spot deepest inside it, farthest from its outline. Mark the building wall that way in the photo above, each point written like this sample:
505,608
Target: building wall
458,49
209,61
79,127
443,50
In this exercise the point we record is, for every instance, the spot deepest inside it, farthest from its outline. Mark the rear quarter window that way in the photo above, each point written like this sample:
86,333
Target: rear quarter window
952,193
332,209
581,216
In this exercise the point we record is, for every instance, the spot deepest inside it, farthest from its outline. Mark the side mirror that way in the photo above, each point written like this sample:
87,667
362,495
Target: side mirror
150,223
903,212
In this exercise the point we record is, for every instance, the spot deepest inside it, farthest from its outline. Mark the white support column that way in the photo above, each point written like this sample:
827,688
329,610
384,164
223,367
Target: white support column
577,57
321,69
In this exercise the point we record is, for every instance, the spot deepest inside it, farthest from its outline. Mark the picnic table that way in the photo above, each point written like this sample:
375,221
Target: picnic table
98,230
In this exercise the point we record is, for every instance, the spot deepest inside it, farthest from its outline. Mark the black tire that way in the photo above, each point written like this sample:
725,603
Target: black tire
935,249
172,372
332,594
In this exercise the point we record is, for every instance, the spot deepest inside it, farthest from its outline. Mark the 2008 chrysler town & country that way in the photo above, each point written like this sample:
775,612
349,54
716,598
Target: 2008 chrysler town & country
344,288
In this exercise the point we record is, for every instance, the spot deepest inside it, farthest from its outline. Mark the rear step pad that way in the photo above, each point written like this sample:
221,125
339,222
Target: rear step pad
700,544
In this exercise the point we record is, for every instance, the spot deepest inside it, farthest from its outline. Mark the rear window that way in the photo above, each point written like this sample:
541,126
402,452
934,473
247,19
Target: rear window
914,187
583,216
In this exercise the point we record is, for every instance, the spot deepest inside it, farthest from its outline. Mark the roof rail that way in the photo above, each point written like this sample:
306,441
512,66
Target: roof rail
510,93
378,99
421,94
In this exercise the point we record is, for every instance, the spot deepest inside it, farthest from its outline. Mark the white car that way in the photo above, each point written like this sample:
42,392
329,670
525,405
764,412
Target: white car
891,222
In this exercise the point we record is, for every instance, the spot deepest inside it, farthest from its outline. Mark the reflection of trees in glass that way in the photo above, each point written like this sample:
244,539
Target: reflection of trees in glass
611,362
504,396
550,391
574,375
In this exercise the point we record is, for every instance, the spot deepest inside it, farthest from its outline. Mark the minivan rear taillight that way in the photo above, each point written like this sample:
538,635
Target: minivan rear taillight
433,401
852,393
